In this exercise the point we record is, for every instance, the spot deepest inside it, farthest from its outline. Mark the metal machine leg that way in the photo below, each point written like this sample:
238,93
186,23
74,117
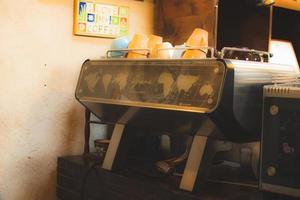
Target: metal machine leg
113,147
87,132
116,138
200,158
193,163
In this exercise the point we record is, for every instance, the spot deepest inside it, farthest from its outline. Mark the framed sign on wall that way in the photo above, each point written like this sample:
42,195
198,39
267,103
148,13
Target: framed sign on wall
96,19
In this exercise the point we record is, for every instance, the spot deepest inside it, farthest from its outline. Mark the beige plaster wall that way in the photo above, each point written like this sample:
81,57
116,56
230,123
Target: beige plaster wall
40,61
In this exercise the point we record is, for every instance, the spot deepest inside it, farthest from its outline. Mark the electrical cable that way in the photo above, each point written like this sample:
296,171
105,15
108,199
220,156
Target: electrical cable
84,179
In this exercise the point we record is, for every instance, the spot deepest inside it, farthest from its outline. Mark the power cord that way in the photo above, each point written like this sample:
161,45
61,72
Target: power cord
84,179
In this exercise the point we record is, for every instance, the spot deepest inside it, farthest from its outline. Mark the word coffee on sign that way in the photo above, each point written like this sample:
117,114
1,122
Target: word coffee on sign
100,20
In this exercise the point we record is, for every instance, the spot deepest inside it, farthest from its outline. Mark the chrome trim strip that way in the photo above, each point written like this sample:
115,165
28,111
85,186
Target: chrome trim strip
281,189
148,105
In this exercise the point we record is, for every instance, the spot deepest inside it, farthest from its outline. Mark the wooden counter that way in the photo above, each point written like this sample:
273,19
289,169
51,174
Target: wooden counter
101,184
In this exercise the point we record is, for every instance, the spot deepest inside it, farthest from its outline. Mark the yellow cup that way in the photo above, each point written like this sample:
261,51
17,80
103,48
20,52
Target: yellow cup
194,54
199,38
139,41
153,41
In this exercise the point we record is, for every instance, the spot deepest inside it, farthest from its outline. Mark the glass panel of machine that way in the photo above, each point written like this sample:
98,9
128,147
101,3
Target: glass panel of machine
176,85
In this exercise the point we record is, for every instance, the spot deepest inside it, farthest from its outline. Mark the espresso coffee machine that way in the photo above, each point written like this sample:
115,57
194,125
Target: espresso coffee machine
213,101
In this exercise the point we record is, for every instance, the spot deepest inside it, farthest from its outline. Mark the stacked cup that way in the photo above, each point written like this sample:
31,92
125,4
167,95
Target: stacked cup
198,39
119,43
143,47
154,42
139,41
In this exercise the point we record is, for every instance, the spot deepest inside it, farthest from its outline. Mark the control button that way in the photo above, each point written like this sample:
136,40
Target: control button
274,110
287,148
271,171
210,101
216,70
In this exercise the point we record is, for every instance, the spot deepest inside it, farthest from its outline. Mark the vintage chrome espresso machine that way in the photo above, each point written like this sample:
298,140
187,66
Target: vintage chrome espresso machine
213,101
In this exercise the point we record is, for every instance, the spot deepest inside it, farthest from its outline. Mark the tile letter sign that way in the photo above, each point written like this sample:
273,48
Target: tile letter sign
92,18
